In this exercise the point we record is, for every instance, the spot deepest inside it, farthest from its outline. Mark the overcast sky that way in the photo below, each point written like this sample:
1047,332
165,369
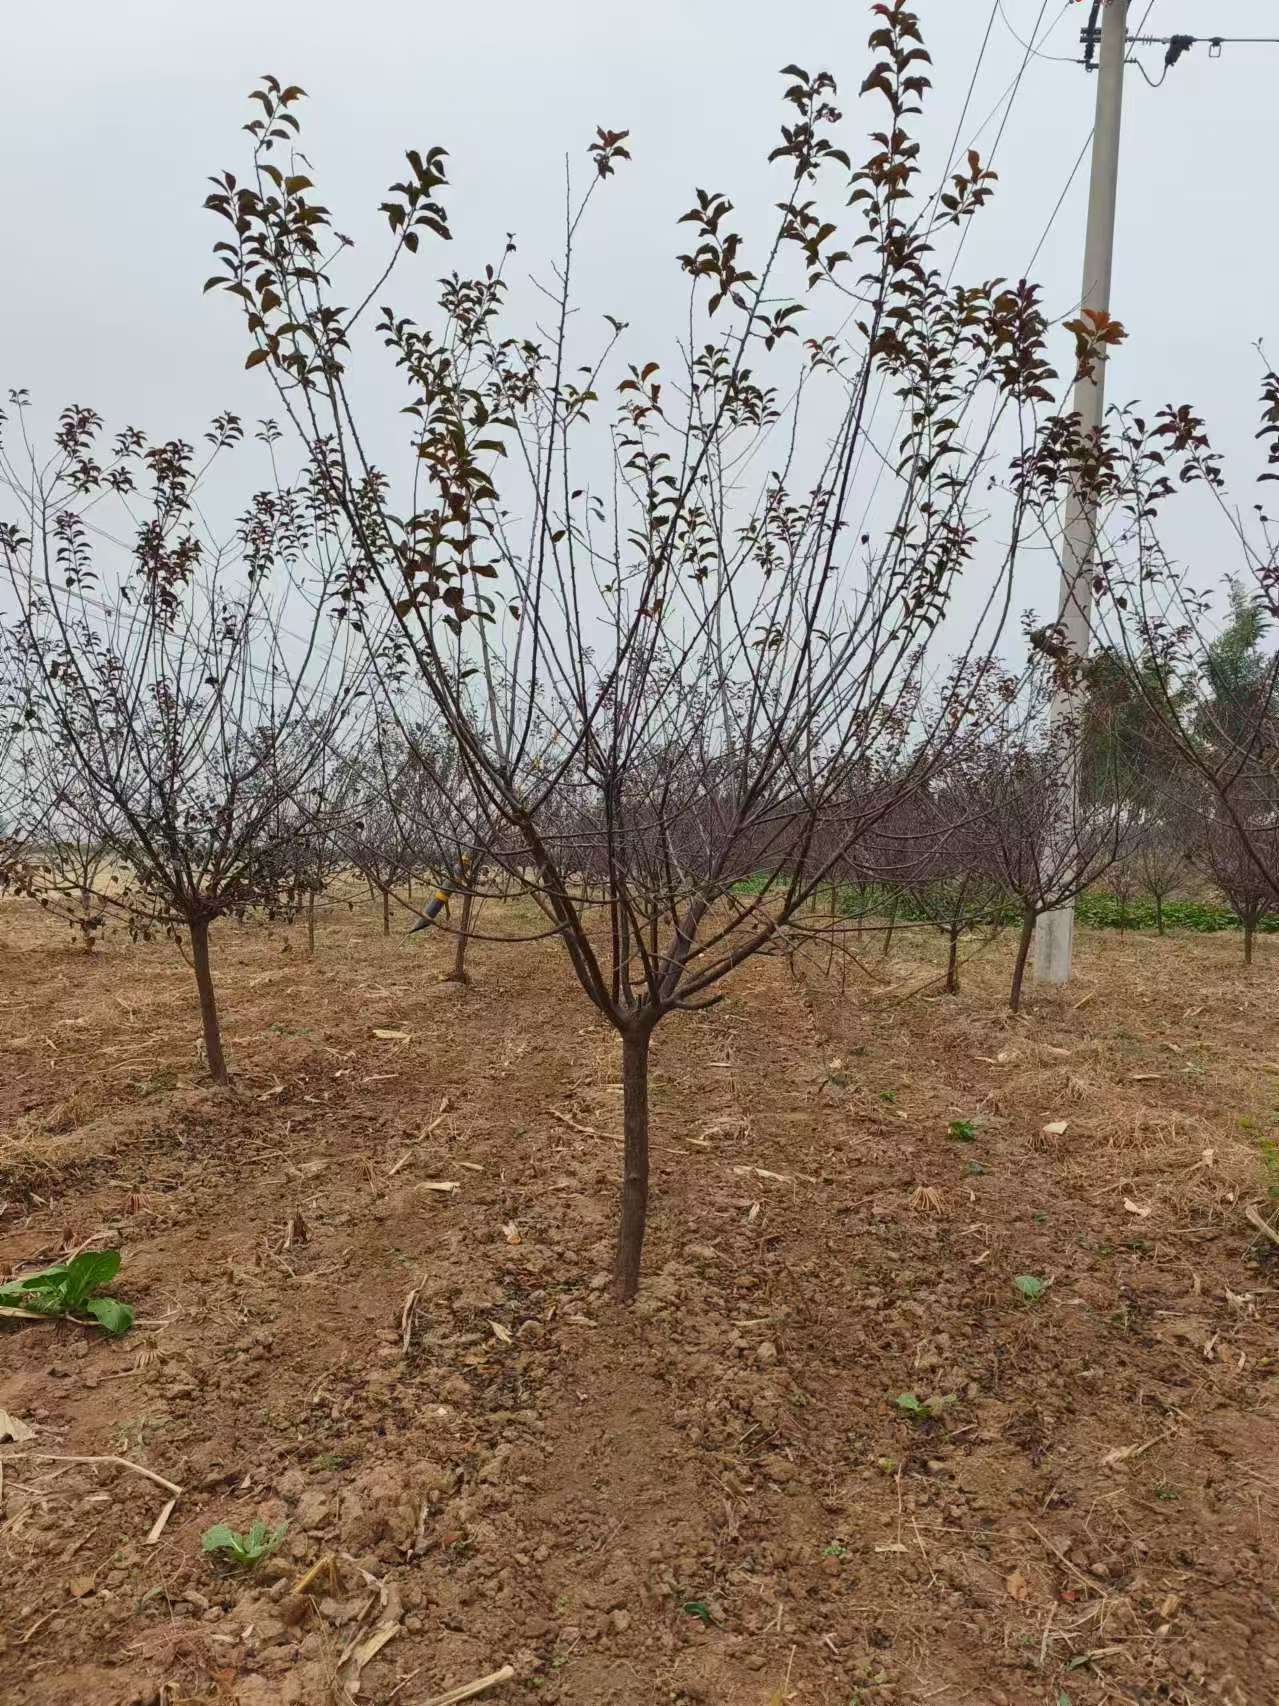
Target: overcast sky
113,115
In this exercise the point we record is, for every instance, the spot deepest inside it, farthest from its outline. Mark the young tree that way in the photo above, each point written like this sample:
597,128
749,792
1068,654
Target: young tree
1161,856
74,868
1046,845
1209,685
1243,864
160,680
670,677
22,808
461,847
953,882
376,830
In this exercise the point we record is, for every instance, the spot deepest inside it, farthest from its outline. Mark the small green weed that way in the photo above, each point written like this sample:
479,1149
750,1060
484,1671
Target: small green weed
1030,1287
836,1549
963,1131
888,1095
924,1409
247,1550
67,1290
697,1608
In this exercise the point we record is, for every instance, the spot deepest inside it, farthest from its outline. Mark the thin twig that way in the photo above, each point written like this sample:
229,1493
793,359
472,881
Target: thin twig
1256,1220
120,1463
157,1527
469,1689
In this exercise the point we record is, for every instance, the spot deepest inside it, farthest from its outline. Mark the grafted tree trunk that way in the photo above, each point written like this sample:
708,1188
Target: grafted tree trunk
1159,913
1023,953
892,925
386,912
461,941
310,923
952,963
634,1214
1249,931
199,929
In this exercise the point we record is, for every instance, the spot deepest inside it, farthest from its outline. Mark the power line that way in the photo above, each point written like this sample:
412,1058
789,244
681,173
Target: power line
1198,41
1029,46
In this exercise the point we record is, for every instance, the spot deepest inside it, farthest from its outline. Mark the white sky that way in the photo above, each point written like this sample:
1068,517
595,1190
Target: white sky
113,116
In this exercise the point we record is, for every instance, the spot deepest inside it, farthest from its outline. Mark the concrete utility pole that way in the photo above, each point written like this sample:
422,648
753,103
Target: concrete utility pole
1054,937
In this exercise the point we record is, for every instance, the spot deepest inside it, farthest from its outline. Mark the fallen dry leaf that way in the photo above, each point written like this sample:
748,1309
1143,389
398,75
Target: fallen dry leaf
503,1333
511,1232
14,1428
367,1650
394,1036
1055,1128
1017,1585
1143,1209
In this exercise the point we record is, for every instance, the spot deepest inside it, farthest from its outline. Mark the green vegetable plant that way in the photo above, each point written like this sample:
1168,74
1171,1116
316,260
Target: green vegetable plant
67,1290
1030,1287
247,1550
963,1131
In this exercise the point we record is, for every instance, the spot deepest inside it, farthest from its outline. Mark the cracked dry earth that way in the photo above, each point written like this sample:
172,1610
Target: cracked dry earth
712,1497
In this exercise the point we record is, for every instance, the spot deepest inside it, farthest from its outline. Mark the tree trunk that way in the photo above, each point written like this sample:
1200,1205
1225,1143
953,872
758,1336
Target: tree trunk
458,974
892,925
310,923
634,1207
952,965
1159,913
1023,953
386,912
1249,929
208,1001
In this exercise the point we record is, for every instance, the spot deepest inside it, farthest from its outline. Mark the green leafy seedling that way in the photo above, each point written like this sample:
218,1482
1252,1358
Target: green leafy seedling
697,1608
68,1290
1030,1286
247,1550
924,1409
963,1131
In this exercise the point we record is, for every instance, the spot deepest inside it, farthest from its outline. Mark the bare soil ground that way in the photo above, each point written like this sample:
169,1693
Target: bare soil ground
711,1497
